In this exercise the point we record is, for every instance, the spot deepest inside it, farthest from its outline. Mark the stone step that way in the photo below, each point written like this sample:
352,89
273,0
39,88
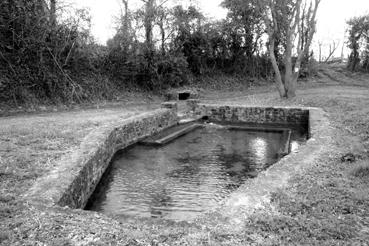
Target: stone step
162,140
256,129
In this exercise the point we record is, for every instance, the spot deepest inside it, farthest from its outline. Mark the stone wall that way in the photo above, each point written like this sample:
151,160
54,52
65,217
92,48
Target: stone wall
76,175
256,194
258,115
174,95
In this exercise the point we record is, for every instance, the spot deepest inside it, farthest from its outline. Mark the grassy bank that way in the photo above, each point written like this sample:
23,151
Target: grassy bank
326,205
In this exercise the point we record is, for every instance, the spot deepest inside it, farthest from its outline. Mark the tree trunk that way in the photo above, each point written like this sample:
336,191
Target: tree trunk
162,30
126,17
149,24
278,78
53,14
277,16
288,76
291,90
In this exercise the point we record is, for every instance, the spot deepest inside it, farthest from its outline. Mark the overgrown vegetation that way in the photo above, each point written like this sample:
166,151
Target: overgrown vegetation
41,57
47,53
359,43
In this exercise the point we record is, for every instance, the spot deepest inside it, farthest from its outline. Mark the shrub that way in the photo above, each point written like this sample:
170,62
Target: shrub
172,70
38,56
358,43
309,68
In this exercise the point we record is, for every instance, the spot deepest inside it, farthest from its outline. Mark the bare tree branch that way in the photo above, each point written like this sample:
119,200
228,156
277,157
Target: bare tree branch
332,48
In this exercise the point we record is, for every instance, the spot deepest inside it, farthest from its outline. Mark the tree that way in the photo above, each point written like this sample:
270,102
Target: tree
53,14
188,36
148,23
163,15
246,22
359,41
332,49
154,13
286,18
244,34
126,22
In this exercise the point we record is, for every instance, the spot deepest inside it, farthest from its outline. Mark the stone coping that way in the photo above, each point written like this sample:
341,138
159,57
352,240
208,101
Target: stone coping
252,114
76,175
255,194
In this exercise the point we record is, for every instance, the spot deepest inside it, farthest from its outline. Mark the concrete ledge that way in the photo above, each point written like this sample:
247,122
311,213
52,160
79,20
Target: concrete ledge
76,175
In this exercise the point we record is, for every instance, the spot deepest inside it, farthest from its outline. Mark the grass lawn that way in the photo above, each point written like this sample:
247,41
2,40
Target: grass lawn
326,205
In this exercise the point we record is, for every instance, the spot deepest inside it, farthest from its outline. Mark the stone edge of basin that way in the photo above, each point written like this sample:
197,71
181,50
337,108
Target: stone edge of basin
77,174
249,114
74,179
255,194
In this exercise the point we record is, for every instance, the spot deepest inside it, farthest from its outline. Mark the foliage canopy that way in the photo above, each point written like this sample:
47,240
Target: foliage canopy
359,43
47,52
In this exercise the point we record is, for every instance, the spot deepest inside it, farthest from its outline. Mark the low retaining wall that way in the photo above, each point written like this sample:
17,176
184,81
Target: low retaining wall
255,194
76,175
257,115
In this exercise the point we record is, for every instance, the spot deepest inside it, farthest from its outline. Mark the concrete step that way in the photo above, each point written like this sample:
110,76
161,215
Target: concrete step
162,139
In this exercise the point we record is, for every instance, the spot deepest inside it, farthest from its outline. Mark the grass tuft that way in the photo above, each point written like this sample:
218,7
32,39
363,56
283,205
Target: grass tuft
361,170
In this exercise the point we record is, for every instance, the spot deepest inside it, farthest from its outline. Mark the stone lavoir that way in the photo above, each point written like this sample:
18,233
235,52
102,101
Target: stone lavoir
76,176
189,169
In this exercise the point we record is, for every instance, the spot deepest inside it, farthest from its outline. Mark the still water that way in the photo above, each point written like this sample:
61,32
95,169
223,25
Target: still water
193,174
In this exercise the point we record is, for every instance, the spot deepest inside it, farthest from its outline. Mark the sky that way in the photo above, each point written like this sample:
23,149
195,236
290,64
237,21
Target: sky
331,25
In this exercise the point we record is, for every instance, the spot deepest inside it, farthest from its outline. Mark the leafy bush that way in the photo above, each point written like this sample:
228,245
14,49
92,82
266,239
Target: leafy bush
38,56
172,70
309,67
359,43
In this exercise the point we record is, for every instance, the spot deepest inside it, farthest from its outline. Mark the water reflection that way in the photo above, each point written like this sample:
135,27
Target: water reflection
259,146
193,174
294,146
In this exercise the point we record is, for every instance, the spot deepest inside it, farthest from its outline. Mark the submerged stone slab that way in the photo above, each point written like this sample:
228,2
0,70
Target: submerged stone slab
162,140
74,179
